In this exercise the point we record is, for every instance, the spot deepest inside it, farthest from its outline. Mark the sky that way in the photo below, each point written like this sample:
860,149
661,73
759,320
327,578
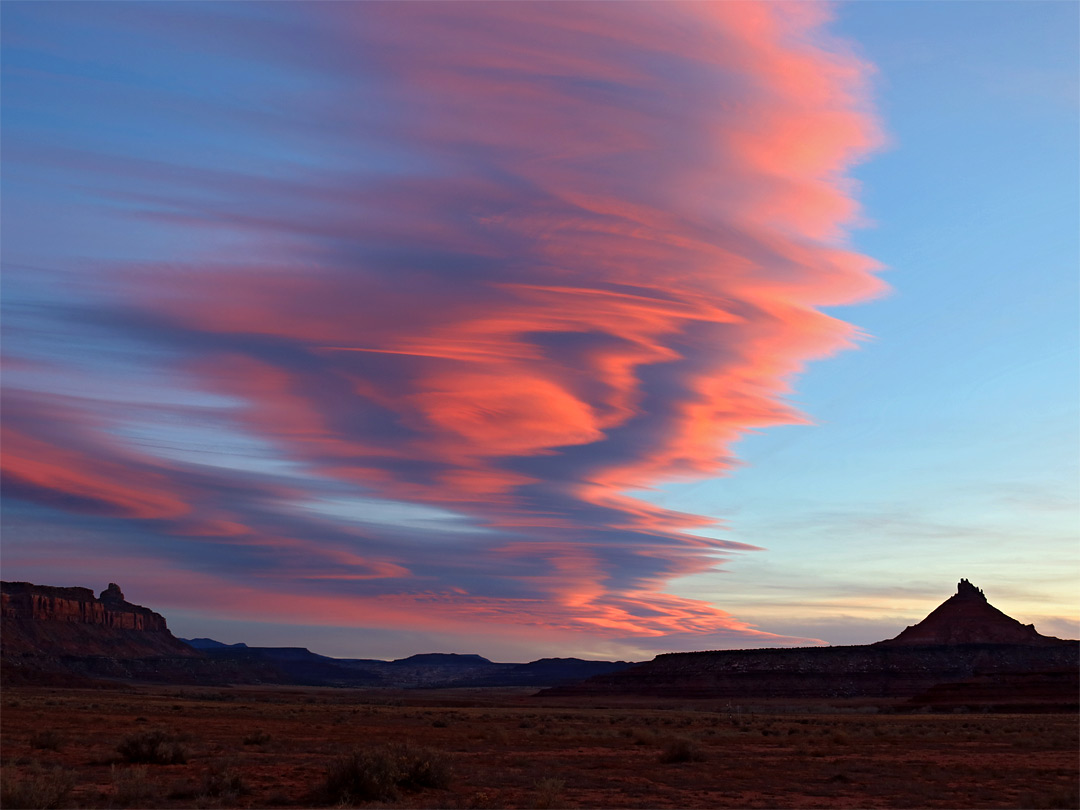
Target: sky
531,329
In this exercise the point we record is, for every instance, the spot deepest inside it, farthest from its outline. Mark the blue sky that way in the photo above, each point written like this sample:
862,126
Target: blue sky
946,446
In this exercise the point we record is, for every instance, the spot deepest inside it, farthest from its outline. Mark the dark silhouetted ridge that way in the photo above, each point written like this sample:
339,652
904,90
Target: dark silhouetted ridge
965,643
443,660
211,644
71,634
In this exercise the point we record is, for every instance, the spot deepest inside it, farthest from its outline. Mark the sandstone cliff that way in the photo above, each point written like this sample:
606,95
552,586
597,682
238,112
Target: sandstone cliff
43,621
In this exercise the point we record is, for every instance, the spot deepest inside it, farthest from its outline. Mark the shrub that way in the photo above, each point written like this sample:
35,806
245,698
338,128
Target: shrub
497,735
224,780
43,788
681,750
153,747
258,737
132,787
1061,796
548,792
47,740
381,773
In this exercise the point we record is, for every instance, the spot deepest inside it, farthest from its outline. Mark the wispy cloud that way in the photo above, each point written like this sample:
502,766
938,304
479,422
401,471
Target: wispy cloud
506,261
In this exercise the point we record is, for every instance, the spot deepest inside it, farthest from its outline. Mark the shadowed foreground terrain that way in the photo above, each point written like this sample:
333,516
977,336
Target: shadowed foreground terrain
487,748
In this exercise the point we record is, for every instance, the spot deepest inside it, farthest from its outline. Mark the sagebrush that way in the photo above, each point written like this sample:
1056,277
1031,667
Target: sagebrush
381,773
153,748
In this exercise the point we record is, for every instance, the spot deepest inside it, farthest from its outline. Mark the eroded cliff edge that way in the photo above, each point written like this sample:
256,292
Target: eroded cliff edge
41,621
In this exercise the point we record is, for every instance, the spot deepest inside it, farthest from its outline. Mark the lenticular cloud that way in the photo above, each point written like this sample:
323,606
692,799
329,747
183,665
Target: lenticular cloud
516,259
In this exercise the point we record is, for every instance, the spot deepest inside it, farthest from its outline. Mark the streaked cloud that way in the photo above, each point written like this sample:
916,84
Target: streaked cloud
496,263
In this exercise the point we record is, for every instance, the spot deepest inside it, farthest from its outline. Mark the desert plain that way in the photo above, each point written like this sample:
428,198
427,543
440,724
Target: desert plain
260,746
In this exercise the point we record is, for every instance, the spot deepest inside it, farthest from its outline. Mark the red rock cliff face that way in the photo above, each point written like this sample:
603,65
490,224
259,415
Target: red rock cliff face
75,605
43,620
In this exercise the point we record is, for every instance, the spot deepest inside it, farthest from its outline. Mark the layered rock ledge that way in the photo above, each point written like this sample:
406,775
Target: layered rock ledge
41,620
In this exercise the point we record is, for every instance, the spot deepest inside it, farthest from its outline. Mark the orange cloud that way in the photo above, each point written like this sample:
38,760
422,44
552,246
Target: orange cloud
600,266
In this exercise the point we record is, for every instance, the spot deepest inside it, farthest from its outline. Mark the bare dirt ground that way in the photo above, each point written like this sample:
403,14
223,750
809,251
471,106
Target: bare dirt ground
271,747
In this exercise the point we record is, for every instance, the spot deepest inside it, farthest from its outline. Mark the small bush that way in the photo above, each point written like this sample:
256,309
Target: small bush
185,790
440,723
153,747
258,737
132,786
380,774
1055,799
224,780
548,793
47,740
43,788
497,735
681,750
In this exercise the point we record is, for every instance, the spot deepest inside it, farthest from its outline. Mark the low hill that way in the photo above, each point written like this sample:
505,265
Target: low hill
422,671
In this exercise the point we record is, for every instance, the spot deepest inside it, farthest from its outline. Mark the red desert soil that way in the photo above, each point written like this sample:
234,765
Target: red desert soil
266,747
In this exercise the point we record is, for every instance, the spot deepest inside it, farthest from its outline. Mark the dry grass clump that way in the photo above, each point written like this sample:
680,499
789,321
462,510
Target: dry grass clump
153,747
224,781
46,740
132,787
257,737
381,773
42,788
548,793
1062,797
681,750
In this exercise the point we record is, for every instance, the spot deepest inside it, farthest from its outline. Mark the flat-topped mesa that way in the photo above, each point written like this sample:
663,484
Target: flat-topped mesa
45,620
967,618
46,603
963,638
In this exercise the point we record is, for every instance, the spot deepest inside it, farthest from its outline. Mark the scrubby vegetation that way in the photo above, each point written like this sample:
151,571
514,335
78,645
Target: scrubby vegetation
259,748
133,787
156,747
681,750
41,788
258,737
46,740
548,793
223,780
381,773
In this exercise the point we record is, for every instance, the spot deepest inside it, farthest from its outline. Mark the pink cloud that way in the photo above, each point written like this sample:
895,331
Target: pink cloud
603,270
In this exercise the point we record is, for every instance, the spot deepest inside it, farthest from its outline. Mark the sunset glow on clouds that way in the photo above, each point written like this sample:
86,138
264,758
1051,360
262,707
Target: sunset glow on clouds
371,314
